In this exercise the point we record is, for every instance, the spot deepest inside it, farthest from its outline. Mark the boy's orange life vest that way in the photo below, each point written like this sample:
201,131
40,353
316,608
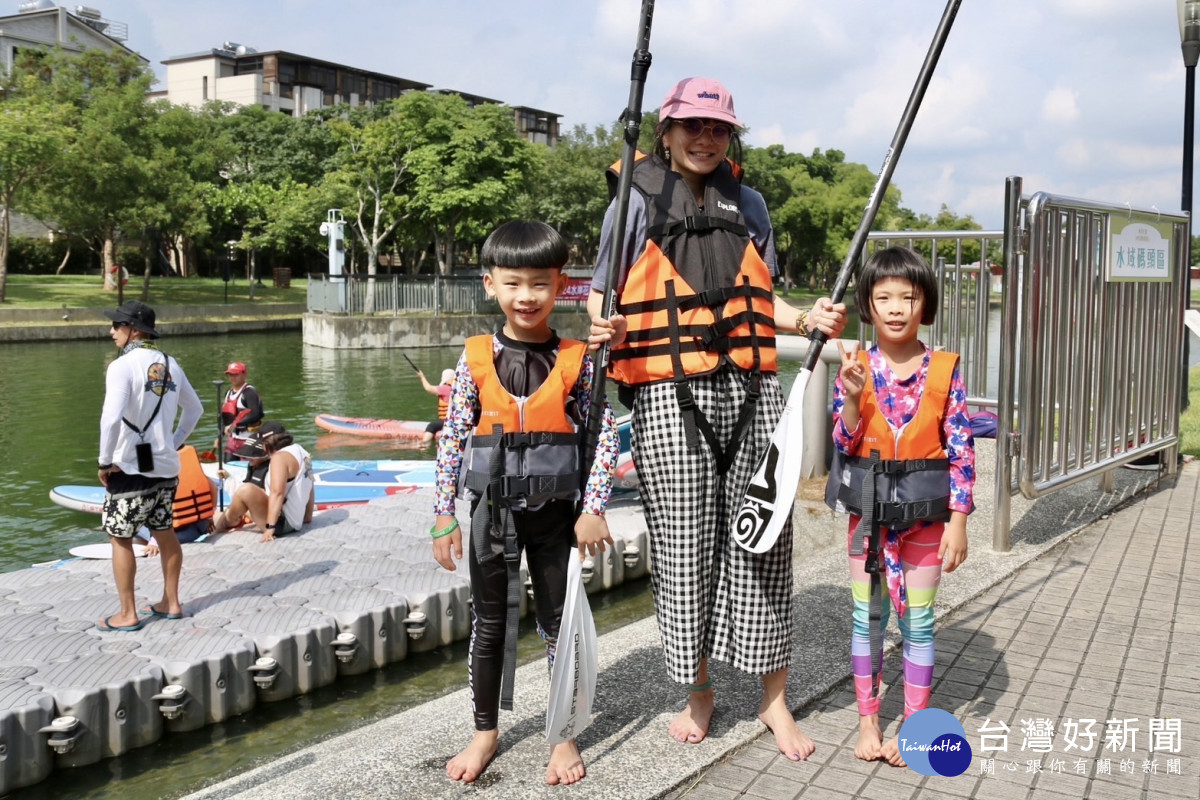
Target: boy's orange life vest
912,483
699,294
194,494
539,439
443,407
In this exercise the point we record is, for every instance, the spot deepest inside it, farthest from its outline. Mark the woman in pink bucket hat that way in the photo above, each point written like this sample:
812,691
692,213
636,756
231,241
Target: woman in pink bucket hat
693,349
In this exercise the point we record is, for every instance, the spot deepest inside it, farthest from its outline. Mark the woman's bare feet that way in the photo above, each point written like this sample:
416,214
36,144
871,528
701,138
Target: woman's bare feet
794,745
566,765
891,752
690,726
473,760
870,738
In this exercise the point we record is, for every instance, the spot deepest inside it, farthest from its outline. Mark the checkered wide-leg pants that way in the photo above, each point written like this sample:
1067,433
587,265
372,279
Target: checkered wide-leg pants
712,598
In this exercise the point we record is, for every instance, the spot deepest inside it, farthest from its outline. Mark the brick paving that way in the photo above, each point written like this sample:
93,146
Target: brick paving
1100,627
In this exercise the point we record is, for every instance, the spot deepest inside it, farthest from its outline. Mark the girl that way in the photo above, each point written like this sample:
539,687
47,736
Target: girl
903,404
698,366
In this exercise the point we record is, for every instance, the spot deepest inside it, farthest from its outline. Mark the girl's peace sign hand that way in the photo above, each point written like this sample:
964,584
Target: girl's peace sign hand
852,373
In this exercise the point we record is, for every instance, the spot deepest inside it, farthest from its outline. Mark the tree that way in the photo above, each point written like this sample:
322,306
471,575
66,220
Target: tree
468,169
93,190
570,191
33,136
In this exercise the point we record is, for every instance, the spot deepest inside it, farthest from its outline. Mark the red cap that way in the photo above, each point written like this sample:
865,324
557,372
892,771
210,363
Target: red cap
235,367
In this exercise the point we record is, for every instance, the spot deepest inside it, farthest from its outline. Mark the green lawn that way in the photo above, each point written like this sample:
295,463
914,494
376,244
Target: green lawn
1189,421
82,291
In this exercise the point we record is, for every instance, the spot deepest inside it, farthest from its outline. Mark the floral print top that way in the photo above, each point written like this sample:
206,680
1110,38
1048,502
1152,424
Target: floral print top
462,417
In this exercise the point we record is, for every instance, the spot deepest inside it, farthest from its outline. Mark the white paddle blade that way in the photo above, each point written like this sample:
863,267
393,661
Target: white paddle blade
573,676
772,491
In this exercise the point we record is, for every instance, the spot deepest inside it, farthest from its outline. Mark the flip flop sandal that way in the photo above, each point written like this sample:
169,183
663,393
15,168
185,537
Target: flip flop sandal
106,625
151,611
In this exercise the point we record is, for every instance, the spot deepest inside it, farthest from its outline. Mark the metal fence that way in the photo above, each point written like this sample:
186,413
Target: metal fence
1091,365
401,294
970,299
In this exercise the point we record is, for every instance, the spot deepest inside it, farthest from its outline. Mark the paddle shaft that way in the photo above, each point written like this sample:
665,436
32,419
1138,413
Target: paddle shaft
410,363
633,128
771,492
885,174
220,449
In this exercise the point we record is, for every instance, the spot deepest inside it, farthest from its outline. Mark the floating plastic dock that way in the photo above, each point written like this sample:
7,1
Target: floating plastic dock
264,622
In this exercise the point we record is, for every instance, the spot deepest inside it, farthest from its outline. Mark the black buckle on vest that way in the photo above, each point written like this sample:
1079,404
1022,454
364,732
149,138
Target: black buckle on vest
684,396
694,224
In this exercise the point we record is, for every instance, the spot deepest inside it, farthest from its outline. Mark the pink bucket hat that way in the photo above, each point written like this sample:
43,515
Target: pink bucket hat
699,97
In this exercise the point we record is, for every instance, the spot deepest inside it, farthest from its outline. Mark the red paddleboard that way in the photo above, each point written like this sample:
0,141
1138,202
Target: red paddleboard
375,428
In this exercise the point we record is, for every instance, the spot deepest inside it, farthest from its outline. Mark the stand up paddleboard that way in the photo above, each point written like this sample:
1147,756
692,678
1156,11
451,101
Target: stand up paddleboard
90,499
102,550
370,427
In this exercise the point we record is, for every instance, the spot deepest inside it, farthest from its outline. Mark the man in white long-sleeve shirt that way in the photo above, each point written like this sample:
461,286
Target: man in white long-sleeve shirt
145,389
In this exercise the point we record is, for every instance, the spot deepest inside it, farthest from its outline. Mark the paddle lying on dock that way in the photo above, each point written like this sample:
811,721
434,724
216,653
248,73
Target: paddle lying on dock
772,491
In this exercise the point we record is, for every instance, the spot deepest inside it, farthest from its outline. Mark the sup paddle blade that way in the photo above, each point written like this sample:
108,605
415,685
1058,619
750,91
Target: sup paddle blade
767,503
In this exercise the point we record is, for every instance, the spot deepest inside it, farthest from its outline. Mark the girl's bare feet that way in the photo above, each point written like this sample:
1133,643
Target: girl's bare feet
891,752
870,738
690,726
794,745
473,760
566,765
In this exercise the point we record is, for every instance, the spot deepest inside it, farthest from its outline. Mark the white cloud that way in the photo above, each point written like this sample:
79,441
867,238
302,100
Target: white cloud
1060,106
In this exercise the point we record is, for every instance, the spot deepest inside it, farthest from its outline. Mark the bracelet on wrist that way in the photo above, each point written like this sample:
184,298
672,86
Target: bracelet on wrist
268,527
106,466
802,323
446,531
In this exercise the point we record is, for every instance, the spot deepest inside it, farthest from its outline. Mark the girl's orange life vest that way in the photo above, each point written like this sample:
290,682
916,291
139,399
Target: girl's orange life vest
194,495
699,295
443,407
914,483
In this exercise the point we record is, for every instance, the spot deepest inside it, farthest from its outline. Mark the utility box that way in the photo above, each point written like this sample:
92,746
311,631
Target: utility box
283,277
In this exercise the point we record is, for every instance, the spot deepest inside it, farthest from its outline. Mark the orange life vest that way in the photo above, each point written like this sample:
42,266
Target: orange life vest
194,495
443,407
540,441
912,477
699,295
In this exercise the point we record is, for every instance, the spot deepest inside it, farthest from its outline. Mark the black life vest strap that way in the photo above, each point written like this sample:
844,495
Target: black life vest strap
753,388
711,298
698,223
494,518
689,346
898,467
867,536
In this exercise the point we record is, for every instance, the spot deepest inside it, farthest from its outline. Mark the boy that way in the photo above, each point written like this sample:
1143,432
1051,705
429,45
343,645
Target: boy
522,379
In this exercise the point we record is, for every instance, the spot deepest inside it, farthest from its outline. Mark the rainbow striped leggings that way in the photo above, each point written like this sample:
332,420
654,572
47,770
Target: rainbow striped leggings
922,572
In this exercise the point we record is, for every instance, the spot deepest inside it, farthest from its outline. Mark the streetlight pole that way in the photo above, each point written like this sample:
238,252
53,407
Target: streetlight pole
1189,40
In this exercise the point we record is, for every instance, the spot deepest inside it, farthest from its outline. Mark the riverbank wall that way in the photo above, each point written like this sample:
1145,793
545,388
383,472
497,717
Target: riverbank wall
320,330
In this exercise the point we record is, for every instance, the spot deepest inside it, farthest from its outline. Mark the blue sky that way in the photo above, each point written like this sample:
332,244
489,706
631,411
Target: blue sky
1080,97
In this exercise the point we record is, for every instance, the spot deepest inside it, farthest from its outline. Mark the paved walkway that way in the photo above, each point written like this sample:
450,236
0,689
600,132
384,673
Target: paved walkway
1100,627
1018,639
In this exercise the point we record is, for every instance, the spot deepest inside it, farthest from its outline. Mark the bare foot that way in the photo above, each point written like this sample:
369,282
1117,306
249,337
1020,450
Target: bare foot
473,760
566,765
870,738
794,745
891,752
691,725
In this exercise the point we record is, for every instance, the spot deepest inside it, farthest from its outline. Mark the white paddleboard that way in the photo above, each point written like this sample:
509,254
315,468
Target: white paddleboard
103,550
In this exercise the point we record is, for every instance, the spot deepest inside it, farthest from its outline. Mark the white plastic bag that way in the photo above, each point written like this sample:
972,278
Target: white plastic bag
573,677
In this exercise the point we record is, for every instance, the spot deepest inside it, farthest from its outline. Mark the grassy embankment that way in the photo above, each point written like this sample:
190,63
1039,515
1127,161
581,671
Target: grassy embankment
84,291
